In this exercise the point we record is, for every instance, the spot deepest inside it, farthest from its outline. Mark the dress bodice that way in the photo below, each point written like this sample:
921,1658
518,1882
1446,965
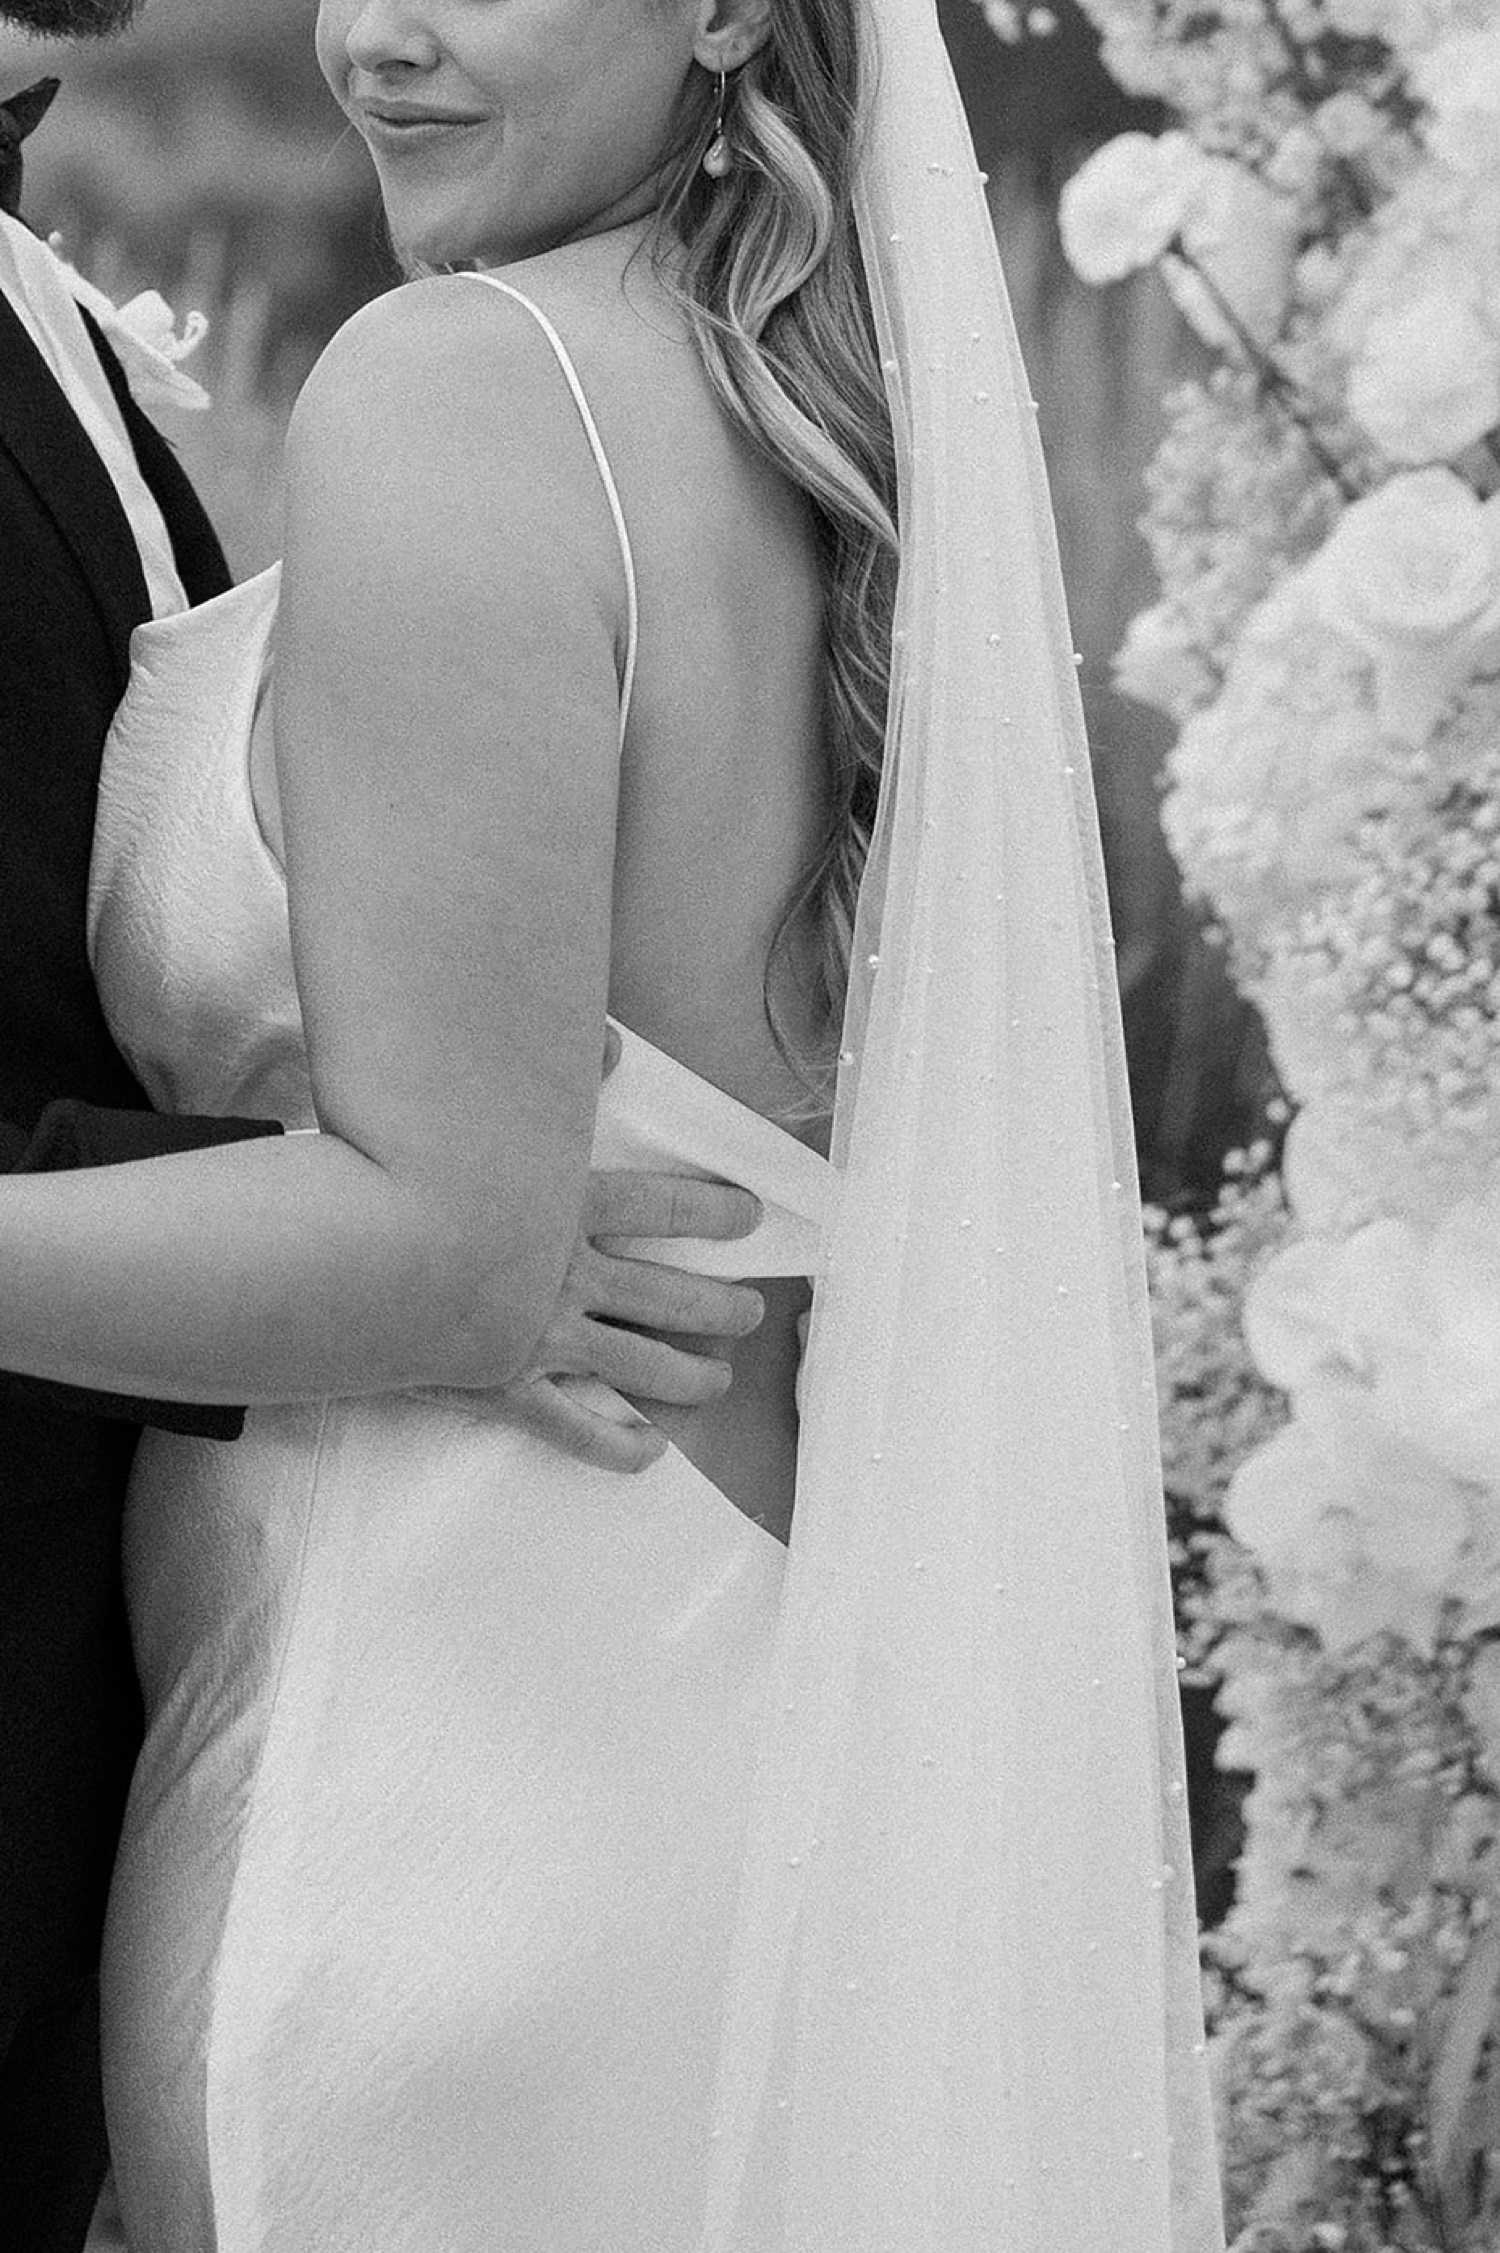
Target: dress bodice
191,947
188,930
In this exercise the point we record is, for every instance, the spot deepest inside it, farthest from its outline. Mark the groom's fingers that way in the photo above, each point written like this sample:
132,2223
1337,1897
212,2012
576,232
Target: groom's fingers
668,1298
556,1417
647,1369
666,1204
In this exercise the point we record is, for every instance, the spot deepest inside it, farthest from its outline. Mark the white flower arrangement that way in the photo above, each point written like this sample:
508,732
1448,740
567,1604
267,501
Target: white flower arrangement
1324,515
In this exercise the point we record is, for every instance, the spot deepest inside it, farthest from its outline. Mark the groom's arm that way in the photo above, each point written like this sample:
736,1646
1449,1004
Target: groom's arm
70,1134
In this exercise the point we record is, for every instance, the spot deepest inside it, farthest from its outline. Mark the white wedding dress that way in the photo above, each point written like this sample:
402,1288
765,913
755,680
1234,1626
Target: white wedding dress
418,1935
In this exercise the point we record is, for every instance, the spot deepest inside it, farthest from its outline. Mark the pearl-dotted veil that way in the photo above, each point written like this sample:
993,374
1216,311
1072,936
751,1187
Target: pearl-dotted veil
963,2012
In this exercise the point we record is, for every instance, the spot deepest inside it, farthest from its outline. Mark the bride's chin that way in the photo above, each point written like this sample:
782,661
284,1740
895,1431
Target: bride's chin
427,243
425,250
423,243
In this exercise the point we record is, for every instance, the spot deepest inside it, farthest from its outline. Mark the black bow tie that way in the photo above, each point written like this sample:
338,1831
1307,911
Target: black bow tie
21,115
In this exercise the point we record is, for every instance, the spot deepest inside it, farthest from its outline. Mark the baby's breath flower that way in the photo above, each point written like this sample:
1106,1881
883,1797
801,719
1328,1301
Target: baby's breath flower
1235,500
1383,992
1215,1406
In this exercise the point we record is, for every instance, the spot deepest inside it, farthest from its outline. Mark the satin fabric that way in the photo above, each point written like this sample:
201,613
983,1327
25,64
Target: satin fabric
419,1930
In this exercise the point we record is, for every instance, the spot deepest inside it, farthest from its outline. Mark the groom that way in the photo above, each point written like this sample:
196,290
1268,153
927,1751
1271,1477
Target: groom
99,529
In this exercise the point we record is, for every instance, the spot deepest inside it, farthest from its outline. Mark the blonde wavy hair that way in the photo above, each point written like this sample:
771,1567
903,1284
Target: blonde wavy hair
767,267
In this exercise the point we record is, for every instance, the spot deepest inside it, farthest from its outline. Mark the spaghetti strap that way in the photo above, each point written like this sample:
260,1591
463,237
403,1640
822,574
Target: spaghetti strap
606,477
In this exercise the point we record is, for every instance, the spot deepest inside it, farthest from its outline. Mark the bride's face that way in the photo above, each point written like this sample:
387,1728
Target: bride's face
503,127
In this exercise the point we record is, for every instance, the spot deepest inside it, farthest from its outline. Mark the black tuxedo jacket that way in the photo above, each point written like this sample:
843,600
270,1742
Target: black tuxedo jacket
71,590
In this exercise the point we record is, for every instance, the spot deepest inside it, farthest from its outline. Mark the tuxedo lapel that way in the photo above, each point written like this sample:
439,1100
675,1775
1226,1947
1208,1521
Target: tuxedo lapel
48,443
195,546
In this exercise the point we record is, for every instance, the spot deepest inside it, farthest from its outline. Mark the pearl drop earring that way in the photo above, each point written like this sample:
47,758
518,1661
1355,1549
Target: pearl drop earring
716,157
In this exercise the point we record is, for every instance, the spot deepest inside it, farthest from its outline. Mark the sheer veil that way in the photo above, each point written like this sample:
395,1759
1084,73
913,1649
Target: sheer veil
963,2012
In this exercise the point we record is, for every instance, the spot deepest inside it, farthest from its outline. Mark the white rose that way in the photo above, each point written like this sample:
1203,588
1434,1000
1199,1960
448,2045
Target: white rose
1356,1530
1347,124
1157,663
1318,274
1447,1400
1411,575
1459,81
1325,1179
1295,162
1272,779
1412,1315
1343,1165
1323,1309
1242,236
1426,382
1121,209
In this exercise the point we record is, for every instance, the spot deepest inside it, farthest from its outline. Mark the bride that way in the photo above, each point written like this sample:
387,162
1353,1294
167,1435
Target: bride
523,1856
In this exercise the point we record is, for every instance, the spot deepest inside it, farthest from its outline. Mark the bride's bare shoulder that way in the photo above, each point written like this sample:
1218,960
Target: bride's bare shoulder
432,354
440,403
434,451
601,286
444,335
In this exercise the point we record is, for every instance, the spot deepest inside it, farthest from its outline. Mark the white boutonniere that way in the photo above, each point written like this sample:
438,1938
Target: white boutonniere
145,336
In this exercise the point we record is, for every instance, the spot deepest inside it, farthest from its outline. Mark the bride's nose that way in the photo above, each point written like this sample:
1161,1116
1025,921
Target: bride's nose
385,34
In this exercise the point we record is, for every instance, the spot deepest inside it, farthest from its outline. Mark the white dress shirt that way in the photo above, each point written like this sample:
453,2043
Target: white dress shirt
33,281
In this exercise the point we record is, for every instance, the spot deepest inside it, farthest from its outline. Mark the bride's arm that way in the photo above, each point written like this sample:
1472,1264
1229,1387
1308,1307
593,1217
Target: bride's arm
447,723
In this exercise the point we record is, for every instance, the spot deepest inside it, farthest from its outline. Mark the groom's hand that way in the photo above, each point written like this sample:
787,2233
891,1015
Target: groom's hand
609,1303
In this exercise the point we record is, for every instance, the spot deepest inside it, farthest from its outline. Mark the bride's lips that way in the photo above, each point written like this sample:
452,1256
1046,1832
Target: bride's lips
400,125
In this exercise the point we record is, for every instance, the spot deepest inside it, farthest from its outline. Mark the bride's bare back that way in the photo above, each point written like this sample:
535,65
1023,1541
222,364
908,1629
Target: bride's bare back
720,804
